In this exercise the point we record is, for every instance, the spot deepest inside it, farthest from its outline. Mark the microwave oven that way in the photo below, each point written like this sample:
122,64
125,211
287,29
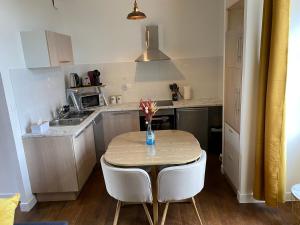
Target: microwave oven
85,98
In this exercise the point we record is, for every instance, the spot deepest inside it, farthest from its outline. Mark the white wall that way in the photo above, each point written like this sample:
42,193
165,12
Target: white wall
293,99
151,80
38,93
190,33
101,33
8,182
253,21
16,16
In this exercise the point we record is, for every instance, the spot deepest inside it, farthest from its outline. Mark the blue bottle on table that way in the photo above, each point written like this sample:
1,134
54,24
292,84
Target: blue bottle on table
150,137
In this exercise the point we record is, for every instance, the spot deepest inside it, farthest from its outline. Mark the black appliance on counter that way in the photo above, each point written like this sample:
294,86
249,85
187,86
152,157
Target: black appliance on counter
94,77
164,119
175,92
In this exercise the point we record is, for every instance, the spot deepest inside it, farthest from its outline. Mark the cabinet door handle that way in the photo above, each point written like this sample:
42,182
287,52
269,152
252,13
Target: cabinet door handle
120,113
239,101
147,38
235,103
237,50
193,109
240,47
82,131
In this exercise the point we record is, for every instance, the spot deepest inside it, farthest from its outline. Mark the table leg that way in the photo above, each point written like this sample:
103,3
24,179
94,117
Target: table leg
154,194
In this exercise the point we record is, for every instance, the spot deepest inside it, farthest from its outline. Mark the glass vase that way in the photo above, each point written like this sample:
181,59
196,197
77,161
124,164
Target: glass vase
150,137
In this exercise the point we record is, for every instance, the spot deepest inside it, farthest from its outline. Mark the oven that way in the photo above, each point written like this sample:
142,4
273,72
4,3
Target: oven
164,119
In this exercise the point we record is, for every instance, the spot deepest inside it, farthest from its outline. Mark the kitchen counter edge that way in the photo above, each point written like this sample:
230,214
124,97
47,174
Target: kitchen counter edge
74,131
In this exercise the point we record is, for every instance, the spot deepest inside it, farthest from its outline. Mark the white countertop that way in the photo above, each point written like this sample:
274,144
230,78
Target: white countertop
75,130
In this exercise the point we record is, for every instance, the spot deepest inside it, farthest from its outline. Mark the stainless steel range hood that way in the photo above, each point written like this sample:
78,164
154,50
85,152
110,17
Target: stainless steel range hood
152,52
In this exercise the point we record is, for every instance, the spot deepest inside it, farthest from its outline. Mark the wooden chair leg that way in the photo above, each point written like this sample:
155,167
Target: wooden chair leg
196,210
163,220
117,213
147,214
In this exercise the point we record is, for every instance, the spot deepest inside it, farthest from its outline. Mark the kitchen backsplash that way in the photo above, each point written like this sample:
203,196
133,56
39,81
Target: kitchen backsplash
39,92
151,80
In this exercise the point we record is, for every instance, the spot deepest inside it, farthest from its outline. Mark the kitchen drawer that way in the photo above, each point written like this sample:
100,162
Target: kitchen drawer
119,122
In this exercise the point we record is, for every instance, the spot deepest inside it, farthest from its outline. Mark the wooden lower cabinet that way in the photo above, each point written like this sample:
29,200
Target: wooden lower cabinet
85,155
59,166
116,123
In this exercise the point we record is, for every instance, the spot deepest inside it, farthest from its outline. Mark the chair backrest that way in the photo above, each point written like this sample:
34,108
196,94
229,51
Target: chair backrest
127,184
181,182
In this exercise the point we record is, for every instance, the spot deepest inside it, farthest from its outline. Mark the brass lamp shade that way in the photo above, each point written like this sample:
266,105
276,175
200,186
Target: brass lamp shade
136,14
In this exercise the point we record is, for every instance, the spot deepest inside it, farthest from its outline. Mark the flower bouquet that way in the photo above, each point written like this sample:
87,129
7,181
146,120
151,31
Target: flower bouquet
149,108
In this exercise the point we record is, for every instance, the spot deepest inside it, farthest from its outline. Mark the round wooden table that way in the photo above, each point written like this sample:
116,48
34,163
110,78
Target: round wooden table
172,147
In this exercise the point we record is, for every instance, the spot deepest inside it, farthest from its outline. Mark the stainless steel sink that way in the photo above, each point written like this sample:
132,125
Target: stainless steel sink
78,114
71,119
65,122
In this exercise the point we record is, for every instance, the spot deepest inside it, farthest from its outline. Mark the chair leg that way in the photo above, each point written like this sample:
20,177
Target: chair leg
117,213
196,210
163,220
147,214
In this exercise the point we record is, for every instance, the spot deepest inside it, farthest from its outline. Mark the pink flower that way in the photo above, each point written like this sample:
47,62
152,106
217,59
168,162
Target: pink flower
149,108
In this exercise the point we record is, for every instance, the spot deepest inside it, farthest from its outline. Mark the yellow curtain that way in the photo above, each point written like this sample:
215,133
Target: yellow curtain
270,164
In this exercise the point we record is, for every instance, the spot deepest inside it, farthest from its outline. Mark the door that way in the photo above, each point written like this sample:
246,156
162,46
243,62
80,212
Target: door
60,48
234,49
195,121
116,123
65,52
85,155
233,66
233,83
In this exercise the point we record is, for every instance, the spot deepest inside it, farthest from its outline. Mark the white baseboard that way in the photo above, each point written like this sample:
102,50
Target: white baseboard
27,206
24,206
247,198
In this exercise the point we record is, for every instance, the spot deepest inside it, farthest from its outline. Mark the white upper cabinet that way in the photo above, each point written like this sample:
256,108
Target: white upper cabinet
46,49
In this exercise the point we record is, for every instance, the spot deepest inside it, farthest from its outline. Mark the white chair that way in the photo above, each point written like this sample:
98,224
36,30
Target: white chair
131,185
179,183
295,199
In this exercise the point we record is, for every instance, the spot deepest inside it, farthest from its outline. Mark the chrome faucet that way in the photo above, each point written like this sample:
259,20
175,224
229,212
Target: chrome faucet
62,111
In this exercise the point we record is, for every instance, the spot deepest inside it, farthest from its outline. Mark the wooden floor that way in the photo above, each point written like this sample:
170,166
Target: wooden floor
217,205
